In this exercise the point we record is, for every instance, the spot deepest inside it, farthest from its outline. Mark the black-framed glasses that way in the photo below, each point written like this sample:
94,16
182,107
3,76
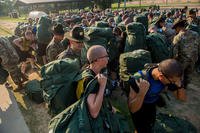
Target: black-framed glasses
170,81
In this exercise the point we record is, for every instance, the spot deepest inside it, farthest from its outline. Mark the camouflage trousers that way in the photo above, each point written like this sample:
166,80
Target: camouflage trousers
188,68
16,75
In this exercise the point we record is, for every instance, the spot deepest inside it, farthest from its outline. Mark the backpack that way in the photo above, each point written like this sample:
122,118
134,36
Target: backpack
131,62
34,91
8,54
125,84
136,37
76,118
142,19
59,83
43,33
158,47
98,35
101,24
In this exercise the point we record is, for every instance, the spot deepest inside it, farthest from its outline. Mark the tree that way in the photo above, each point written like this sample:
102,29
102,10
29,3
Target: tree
5,7
103,4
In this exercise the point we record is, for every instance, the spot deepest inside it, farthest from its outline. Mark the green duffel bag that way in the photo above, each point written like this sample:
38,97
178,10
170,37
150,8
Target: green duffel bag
58,83
194,27
158,47
167,123
136,37
131,62
4,75
101,24
44,34
76,118
94,32
142,19
34,91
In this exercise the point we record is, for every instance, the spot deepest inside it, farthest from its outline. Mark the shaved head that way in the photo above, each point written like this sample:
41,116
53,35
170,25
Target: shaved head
171,67
95,52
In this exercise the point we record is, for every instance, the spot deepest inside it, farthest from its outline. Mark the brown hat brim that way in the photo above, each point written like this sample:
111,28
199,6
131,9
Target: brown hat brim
176,24
68,36
160,19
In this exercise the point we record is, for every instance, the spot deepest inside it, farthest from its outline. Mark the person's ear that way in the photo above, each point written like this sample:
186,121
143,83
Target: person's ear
160,76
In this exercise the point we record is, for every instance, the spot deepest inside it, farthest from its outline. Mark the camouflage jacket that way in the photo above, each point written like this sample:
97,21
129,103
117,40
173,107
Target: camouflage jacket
69,53
195,21
53,50
186,44
8,54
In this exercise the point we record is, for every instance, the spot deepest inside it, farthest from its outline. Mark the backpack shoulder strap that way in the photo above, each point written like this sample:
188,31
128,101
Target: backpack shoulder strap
84,73
144,73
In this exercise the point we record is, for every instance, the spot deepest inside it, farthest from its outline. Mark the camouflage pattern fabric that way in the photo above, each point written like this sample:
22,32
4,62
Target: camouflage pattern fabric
195,21
69,53
186,48
186,45
53,50
8,54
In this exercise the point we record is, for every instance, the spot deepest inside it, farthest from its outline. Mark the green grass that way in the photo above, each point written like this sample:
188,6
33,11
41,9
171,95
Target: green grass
7,18
5,31
115,5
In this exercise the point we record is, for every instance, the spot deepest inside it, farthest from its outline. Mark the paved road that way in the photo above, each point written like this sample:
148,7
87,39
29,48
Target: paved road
11,120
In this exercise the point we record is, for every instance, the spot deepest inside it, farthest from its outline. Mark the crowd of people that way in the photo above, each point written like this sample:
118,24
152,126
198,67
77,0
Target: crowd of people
66,37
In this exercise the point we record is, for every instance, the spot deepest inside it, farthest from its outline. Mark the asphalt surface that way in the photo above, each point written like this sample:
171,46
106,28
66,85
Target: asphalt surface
11,120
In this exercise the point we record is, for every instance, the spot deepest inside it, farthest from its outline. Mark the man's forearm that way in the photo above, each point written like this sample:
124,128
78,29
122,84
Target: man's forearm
136,103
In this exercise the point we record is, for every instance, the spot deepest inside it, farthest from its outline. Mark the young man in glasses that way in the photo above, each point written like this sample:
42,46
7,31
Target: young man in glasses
144,92
98,59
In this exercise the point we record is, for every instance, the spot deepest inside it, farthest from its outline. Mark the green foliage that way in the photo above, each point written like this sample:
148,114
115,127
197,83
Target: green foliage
6,6
103,4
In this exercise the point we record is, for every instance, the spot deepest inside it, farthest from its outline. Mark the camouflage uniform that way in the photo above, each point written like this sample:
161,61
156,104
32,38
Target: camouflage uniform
194,24
195,21
69,53
53,50
10,60
185,50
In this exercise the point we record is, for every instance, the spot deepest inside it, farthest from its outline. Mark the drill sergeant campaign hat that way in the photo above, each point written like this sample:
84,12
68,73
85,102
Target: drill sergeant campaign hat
77,34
